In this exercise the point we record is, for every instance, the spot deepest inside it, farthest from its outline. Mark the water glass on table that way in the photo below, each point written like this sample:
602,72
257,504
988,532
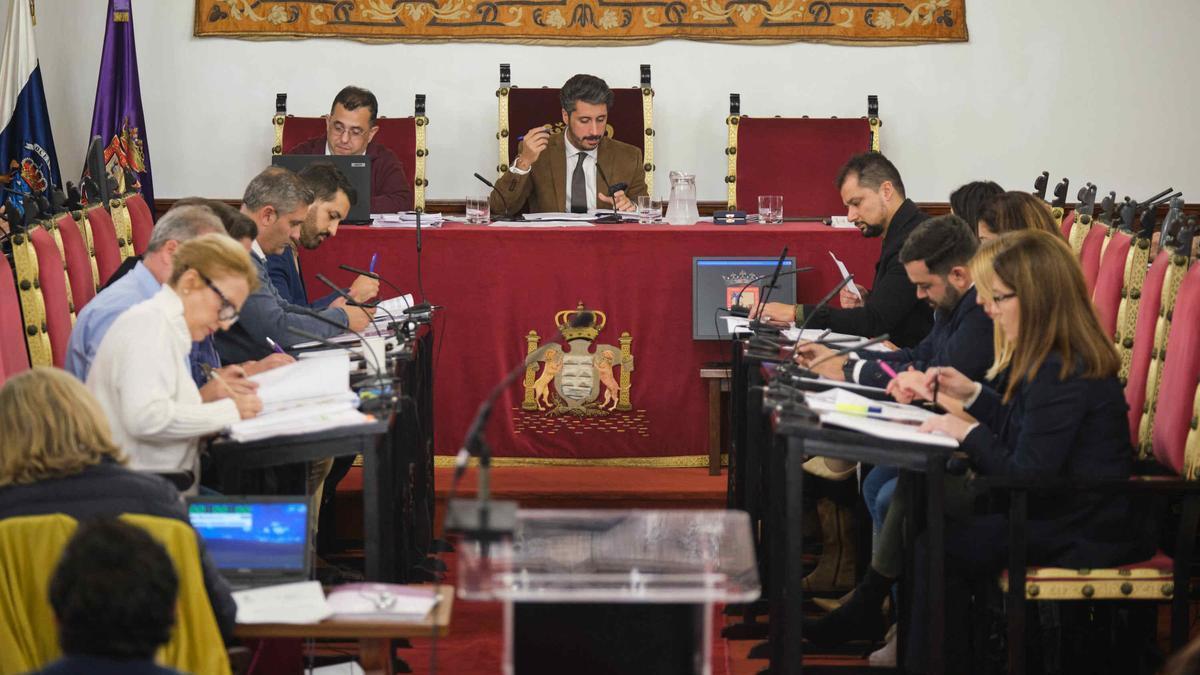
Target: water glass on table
479,211
649,209
770,208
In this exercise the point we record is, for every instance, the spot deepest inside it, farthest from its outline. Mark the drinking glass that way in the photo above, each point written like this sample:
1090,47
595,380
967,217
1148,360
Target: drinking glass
479,212
649,209
770,208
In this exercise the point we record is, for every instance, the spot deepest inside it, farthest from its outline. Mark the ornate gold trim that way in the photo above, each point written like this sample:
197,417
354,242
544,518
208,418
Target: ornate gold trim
1057,213
123,224
419,180
626,341
1159,589
678,461
731,127
51,225
502,134
876,124
277,121
85,229
1079,232
33,306
1158,355
1136,263
529,401
1191,452
648,141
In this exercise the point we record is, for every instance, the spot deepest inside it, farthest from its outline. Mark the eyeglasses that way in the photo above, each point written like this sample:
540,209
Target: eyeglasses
1001,298
228,311
355,132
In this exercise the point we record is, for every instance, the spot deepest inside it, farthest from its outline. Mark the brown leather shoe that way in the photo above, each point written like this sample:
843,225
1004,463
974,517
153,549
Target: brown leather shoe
835,569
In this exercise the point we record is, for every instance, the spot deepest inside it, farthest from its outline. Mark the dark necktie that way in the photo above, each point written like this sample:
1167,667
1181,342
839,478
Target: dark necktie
579,187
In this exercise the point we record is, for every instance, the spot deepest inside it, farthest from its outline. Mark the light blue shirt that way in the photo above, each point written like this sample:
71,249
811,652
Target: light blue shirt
98,315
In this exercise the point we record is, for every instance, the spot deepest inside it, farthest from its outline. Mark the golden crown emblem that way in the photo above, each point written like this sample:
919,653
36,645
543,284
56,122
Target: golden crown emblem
588,331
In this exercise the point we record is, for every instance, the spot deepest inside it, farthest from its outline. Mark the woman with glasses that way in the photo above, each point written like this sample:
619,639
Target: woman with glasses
1059,412
141,375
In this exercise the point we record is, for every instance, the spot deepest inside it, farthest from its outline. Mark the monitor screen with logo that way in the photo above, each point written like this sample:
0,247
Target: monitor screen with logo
720,283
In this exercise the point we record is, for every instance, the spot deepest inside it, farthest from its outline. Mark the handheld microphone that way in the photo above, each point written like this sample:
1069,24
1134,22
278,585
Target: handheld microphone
351,301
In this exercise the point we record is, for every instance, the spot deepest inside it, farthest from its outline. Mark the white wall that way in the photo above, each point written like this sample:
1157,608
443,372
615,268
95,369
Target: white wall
1100,90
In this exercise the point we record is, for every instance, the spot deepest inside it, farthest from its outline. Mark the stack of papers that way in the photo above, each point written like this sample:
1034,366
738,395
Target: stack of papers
840,222
394,306
406,219
301,602
302,397
562,216
882,419
740,325
389,602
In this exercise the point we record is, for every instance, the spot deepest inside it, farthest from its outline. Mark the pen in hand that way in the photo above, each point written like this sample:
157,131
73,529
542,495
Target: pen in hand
275,345
374,259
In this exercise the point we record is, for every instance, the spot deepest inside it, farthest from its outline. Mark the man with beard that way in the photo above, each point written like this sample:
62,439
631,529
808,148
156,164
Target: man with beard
333,195
573,171
873,193
935,258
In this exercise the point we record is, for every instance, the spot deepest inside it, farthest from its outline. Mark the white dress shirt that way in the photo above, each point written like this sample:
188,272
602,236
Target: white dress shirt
589,173
143,382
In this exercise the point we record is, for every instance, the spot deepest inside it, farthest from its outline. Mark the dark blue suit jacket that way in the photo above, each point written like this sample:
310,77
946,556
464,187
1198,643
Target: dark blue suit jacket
286,278
961,339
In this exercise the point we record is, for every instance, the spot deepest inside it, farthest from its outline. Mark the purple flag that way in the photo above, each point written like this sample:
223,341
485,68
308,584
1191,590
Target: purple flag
117,117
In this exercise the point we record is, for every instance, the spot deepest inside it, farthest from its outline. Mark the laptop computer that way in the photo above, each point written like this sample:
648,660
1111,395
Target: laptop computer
255,541
356,169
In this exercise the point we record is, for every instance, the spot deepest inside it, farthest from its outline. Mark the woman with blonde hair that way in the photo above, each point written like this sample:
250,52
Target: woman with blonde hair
140,374
57,456
1014,211
1060,412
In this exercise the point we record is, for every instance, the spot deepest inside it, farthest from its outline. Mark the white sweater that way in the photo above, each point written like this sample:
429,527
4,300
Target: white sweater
143,381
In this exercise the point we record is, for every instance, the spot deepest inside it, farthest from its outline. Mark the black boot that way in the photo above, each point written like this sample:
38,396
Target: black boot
860,618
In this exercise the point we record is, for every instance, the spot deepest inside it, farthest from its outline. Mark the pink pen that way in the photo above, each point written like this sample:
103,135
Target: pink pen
887,369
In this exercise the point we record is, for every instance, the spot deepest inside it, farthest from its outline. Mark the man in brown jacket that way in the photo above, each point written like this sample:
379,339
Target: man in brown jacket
574,170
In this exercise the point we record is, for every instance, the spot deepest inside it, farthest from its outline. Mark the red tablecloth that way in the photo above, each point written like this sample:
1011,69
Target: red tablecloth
498,284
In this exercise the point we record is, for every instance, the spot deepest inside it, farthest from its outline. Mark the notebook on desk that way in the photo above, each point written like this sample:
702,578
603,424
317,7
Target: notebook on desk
255,541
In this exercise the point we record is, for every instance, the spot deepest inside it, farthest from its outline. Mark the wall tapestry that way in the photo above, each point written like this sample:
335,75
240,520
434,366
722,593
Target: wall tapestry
587,21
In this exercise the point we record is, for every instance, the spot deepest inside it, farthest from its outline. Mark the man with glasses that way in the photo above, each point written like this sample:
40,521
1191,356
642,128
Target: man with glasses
349,130
179,225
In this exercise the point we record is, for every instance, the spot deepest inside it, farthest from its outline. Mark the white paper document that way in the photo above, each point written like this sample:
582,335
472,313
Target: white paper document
406,219
895,431
540,224
394,305
845,401
302,397
280,388
845,273
840,222
302,602
374,601
561,216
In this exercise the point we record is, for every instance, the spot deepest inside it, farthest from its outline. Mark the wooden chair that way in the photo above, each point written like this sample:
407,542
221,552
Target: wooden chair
14,356
1142,344
797,157
1110,279
141,221
404,136
1136,264
1077,225
1177,268
1176,448
26,263
123,225
80,263
630,118
106,244
1089,252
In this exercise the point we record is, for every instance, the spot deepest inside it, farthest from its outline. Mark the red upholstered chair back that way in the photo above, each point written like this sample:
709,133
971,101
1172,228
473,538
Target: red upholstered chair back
79,263
798,158
1177,392
535,107
1143,341
54,293
1068,222
14,357
398,134
142,220
104,236
1089,255
1109,278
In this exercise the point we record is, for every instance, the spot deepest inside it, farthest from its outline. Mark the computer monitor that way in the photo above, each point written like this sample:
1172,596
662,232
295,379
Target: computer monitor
720,283
356,169
254,536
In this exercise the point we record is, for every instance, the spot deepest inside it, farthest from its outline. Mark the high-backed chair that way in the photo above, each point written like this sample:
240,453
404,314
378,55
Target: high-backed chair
141,221
14,356
33,306
81,261
1142,342
1078,223
1110,278
106,245
56,295
1058,208
1136,264
1177,268
630,117
123,225
404,136
30,547
797,157
1066,224
1089,253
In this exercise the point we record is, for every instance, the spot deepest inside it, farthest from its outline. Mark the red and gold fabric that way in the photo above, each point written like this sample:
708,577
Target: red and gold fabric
623,388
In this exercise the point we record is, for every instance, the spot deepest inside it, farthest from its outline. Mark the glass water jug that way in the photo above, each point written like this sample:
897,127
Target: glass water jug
681,210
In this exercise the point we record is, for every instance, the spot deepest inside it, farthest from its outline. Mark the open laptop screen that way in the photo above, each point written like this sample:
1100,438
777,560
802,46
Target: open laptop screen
253,534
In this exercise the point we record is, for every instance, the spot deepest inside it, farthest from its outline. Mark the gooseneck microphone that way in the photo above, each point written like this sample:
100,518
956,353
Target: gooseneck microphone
503,200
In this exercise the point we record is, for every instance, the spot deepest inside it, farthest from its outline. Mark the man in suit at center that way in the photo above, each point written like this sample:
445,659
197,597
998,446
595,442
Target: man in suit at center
573,171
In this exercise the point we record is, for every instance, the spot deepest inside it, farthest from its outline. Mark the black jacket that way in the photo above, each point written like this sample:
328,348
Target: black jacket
892,307
1071,427
961,339
109,490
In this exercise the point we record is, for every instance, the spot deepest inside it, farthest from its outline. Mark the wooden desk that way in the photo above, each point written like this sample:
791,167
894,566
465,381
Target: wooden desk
374,636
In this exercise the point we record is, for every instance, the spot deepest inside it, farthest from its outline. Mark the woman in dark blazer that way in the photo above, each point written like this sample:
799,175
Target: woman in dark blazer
1060,413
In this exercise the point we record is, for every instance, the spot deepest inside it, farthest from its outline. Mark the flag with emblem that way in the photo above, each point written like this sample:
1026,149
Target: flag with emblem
117,116
26,144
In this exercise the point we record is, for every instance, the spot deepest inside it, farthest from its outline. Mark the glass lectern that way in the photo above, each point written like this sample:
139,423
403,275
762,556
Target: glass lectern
592,591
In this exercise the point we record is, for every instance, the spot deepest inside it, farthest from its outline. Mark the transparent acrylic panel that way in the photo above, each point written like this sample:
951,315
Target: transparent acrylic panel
615,556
